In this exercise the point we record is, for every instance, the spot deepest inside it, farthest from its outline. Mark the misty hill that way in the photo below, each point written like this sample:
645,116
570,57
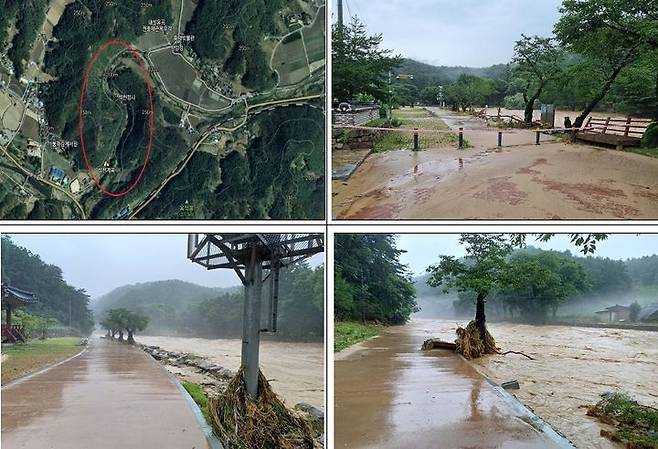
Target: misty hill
430,75
181,308
612,281
173,293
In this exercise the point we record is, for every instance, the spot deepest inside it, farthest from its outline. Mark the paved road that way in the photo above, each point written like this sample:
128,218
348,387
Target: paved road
111,396
391,395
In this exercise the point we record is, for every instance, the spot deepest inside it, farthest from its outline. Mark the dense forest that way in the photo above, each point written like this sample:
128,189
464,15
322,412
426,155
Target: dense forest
370,283
280,177
57,299
556,284
81,30
180,308
228,30
27,15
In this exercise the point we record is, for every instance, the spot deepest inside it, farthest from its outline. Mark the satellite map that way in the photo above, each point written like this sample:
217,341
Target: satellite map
162,109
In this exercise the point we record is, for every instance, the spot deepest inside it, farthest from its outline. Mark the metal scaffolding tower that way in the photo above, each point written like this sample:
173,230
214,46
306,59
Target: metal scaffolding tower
249,255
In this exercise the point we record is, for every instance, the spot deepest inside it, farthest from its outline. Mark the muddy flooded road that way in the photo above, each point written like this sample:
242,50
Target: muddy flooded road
109,396
389,394
552,181
573,367
295,370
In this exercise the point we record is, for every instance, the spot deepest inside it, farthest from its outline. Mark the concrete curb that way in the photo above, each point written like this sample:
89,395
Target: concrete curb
43,370
213,441
535,421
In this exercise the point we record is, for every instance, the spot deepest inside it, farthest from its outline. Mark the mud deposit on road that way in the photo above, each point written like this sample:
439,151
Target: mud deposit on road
520,180
573,367
295,370
552,181
389,395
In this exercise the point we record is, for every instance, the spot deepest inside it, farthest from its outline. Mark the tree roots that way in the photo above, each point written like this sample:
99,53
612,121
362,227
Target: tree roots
471,345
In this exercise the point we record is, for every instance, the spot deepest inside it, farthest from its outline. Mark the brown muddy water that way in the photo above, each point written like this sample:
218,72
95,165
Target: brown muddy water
389,395
295,370
573,367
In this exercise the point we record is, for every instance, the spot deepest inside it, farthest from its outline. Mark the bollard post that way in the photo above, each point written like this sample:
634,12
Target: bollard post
415,139
538,136
461,138
500,139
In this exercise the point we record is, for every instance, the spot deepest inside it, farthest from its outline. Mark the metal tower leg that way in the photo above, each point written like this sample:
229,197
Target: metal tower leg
251,321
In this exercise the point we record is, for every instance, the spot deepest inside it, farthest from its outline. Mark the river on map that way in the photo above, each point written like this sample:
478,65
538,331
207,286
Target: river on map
295,370
573,367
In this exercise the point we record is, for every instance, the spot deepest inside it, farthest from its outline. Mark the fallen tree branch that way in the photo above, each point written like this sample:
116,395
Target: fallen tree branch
515,352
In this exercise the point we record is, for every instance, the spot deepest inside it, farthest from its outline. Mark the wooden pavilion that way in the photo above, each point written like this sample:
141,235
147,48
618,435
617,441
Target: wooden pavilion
11,298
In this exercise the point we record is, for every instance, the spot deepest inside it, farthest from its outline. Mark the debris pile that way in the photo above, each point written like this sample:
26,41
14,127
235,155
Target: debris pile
636,424
243,423
471,345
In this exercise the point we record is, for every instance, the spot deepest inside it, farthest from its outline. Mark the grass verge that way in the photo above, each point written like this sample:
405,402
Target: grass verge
23,359
651,152
636,425
347,333
199,397
422,119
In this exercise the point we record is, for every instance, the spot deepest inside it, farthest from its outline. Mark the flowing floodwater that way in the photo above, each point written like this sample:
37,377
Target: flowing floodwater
573,366
295,370
389,395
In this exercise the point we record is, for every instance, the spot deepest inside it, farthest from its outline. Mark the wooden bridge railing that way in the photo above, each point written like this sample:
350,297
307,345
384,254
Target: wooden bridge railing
13,333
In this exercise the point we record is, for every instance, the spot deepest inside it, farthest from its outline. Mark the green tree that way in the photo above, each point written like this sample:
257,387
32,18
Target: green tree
543,282
483,270
117,320
404,94
611,34
469,91
375,285
56,298
360,66
429,95
134,321
635,311
537,63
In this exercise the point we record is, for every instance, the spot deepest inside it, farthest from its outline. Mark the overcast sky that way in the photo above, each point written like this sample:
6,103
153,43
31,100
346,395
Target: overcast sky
100,263
474,33
424,250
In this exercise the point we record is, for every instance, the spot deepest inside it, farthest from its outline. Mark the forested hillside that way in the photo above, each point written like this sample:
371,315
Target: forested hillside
370,282
184,309
57,299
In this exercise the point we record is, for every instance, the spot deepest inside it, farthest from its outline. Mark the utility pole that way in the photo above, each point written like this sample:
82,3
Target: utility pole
340,14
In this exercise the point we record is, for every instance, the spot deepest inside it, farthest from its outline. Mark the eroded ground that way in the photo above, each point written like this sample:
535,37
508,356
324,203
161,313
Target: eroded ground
521,180
573,366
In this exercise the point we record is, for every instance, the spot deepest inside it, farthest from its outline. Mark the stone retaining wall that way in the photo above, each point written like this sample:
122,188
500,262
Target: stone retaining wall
356,117
353,139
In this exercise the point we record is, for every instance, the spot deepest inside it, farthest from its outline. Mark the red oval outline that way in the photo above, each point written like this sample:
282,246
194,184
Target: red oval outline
81,104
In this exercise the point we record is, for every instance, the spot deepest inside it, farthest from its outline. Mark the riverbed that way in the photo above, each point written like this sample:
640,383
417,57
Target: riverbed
573,366
295,370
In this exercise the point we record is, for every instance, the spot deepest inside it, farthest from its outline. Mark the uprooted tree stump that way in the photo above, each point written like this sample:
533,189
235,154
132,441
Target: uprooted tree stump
470,344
